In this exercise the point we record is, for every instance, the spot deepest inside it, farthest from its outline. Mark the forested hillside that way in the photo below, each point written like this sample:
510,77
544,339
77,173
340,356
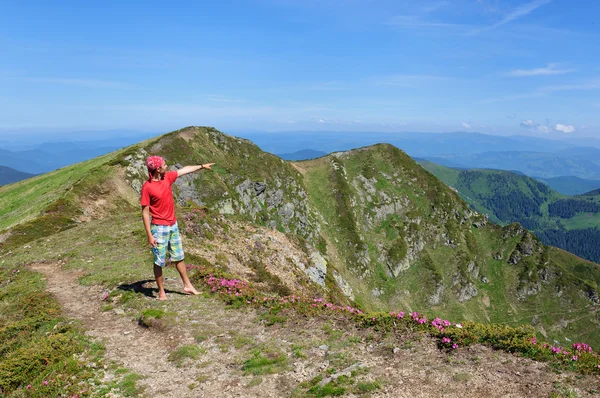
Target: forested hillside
567,222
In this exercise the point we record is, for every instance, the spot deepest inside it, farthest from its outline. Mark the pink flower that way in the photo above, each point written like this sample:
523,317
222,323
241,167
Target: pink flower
574,357
45,382
29,385
455,346
446,340
533,340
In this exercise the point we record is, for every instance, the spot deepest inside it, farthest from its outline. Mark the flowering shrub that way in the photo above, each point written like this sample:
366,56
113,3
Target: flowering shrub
451,336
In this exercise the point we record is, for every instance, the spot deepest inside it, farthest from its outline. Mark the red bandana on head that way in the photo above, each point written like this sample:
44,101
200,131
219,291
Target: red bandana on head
153,163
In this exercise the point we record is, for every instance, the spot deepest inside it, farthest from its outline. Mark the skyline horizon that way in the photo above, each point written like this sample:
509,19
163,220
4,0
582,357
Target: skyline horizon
28,137
500,67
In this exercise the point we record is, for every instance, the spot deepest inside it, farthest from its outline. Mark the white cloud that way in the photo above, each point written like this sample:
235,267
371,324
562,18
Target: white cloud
517,13
527,123
89,83
551,69
222,98
542,128
433,7
403,80
533,126
466,125
415,21
521,11
564,128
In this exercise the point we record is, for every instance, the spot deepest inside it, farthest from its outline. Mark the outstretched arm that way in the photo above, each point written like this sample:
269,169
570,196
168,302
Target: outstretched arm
190,169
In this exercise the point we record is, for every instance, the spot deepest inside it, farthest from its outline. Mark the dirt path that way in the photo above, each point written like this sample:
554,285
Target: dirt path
141,350
406,369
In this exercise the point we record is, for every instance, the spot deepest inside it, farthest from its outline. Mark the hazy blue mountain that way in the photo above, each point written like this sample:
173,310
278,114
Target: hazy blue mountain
39,161
41,157
533,164
23,140
414,144
570,185
588,153
9,175
303,154
595,192
17,162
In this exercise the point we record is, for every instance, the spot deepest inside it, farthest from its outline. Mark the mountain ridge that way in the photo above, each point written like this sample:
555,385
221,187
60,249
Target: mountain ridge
366,233
397,220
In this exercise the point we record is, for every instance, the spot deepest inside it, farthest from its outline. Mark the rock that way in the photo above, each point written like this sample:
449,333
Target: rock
274,198
287,212
467,292
346,372
259,187
592,295
324,347
436,298
318,271
225,207
481,221
528,289
343,285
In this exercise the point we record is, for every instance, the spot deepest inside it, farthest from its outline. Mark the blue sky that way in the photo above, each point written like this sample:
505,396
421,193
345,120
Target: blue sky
490,66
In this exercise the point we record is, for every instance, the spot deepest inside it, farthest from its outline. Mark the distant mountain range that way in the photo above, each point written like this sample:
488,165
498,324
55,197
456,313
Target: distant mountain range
570,223
568,166
303,154
8,175
570,185
372,228
37,158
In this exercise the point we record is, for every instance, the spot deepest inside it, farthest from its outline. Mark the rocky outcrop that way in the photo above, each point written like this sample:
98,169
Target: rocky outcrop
344,286
436,297
528,246
318,271
467,292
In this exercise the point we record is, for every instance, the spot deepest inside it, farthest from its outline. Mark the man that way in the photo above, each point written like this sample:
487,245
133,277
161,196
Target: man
162,231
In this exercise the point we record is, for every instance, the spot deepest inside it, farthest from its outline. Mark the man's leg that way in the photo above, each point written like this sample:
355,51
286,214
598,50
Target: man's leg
159,254
158,275
176,254
188,288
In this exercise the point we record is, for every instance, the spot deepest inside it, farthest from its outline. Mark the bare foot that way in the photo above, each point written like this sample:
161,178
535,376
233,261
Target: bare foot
191,291
162,298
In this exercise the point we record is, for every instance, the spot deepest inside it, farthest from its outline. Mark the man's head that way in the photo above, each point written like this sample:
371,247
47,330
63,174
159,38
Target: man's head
155,164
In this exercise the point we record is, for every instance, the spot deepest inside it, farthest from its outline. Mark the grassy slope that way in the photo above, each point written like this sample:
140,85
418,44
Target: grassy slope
26,200
497,300
77,243
489,185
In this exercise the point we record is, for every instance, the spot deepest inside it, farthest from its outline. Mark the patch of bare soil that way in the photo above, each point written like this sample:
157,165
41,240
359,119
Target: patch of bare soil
405,366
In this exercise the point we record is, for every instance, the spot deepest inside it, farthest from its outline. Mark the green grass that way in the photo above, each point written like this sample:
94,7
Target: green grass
581,221
25,200
265,360
181,354
37,345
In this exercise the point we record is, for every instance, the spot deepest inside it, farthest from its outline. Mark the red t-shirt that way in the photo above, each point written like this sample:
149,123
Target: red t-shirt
159,196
